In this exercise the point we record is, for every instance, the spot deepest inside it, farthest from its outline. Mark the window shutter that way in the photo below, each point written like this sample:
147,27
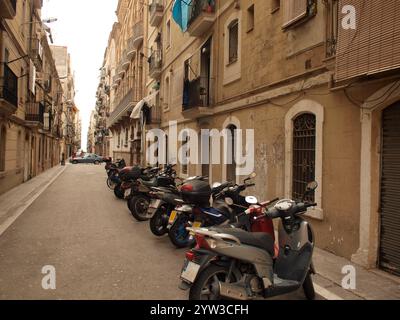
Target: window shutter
374,46
293,11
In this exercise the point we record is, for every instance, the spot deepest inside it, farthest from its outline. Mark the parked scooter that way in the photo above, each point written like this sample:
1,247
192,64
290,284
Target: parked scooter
235,264
163,202
113,170
196,210
139,195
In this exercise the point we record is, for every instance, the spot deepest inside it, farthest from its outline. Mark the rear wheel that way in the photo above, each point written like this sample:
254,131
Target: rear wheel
308,287
206,286
159,222
138,205
119,193
178,234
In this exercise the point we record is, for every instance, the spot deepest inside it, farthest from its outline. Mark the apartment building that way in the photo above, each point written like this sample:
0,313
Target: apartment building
70,112
30,100
317,82
124,61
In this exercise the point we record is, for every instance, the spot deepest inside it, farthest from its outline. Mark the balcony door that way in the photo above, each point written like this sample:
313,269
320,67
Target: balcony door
205,73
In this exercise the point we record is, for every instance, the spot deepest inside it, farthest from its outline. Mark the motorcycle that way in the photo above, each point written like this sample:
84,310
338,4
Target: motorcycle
197,211
240,265
113,170
164,201
139,195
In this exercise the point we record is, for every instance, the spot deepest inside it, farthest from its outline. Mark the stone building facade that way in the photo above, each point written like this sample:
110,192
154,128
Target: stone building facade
30,95
321,97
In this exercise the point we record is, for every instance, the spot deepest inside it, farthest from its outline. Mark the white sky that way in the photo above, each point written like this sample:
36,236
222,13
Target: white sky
83,26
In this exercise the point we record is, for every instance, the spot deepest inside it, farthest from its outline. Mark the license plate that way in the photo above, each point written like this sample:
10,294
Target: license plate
172,217
196,224
190,271
127,193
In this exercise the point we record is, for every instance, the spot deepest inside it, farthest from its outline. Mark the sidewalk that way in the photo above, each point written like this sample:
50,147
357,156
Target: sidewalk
14,202
370,284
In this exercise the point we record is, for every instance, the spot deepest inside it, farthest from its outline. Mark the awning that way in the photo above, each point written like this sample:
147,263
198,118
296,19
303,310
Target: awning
137,110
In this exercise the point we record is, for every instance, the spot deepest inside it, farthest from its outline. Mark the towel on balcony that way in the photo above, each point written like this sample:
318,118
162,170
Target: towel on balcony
180,13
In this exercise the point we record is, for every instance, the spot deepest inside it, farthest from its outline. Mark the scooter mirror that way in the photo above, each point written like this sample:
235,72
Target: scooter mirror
251,200
229,201
312,186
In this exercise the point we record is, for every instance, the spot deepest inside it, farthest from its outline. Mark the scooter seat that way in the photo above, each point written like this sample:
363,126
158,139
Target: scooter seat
150,183
257,239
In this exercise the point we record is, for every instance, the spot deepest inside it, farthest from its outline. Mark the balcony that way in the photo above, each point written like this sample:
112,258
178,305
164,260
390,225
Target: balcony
196,99
8,91
8,9
125,62
123,109
155,65
34,113
130,51
156,12
120,71
116,81
201,17
37,53
138,34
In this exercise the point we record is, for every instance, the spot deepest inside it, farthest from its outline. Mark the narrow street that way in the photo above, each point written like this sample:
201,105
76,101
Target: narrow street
98,249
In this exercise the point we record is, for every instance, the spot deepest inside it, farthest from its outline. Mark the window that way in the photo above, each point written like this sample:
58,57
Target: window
275,5
166,94
233,31
293,11
332,27
168,37
304,144
3,141
119,139
250,18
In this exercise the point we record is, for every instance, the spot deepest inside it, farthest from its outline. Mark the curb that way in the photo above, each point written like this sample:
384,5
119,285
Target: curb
9,221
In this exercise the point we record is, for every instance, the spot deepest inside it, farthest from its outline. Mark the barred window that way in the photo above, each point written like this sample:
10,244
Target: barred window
304,143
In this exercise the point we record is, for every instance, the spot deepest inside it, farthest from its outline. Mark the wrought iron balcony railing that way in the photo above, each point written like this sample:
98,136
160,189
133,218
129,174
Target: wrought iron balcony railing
156,12
35,112
9,86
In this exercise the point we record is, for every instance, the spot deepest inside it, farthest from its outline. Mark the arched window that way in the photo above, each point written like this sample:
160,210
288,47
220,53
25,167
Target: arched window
231,165
304,132
304,144
3,140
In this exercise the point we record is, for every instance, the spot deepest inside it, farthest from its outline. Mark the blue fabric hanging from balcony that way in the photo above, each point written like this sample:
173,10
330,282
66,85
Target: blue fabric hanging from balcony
180,13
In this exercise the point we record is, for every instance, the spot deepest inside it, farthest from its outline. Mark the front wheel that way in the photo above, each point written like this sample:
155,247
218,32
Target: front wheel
159,222
178,234
308,287
206,286
138,205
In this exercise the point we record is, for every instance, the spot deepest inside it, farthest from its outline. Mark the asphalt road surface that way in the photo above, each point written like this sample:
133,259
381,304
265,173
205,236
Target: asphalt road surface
98,249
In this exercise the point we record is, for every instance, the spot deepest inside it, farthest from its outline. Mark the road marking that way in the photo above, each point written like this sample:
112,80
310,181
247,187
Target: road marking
20,210
326,293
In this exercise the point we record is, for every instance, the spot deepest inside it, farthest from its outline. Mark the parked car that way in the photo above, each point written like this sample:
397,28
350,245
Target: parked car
87,158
